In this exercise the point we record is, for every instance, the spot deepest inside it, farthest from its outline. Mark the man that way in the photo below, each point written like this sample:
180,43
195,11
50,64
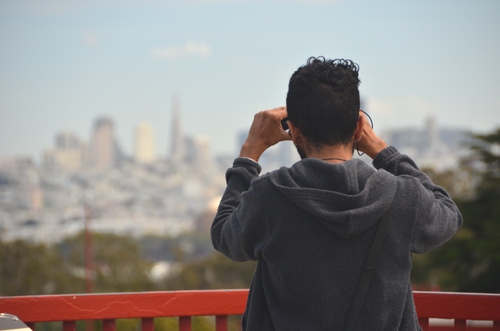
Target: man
310,226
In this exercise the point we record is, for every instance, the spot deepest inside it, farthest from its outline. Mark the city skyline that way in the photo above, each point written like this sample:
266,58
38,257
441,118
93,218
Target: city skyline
65,64
170,194
429,139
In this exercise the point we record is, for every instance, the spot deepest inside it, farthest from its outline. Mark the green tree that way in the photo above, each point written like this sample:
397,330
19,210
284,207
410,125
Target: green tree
182,248
118,265
213,272
32,269
470,261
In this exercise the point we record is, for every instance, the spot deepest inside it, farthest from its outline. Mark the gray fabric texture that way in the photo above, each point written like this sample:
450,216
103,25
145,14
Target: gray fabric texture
310,227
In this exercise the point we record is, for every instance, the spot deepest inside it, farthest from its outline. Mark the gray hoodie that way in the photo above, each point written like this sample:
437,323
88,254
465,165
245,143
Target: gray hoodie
310,227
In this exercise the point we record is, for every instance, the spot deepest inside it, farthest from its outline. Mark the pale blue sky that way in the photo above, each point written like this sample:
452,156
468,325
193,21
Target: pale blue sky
64,63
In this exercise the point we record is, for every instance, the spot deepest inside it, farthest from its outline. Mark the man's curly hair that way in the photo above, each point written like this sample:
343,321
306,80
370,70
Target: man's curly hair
323,101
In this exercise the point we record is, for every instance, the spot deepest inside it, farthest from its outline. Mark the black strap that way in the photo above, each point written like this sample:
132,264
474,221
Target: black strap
369,269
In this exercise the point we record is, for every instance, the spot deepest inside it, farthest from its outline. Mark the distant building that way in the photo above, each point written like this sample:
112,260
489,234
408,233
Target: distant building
202,145
203,222
144,148
431,146
197,150
17,162
35,197
177,152
67,140
68,152
102,146
286,154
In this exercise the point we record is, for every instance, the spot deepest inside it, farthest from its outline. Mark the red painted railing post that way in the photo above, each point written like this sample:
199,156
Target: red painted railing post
424,323
221,323
460,325
148,324
90,325
108,325
108,307
185,323
69,326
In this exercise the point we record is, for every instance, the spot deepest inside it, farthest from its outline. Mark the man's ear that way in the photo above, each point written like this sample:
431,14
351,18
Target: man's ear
295,133
358,132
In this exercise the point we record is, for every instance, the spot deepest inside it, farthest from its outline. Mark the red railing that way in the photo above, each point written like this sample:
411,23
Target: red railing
184,304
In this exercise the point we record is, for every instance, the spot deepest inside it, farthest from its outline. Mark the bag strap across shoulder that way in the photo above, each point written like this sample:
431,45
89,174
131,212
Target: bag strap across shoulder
368,270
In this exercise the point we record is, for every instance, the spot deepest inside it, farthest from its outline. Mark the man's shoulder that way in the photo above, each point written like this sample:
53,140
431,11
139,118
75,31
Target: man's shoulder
262,180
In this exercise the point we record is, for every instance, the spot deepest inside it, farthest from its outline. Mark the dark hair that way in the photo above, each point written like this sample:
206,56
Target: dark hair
323,101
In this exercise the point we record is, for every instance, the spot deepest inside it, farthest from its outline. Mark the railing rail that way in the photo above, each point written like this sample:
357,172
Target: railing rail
219,303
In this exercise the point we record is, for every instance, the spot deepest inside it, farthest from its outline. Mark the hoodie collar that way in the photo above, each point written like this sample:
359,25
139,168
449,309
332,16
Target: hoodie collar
347,197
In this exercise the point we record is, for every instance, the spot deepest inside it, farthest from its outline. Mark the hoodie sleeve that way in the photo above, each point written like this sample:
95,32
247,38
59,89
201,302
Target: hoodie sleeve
237,230
437,216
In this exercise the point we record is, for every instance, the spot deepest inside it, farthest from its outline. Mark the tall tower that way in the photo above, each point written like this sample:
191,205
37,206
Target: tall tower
202,145
144,151
67,140
103,148
177,147
67,153
432,134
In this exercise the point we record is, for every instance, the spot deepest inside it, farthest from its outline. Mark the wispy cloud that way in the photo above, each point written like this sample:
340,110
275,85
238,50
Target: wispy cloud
305,2
61,7
392,106
189,49
90,39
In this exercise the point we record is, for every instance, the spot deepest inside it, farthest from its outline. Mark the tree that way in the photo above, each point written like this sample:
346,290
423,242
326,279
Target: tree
470,261
118,265
32,269
213,272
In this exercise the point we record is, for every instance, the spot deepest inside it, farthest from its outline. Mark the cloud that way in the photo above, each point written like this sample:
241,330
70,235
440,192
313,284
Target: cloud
189,49
378,106
90,39
52,7
62,7
304,2
392,106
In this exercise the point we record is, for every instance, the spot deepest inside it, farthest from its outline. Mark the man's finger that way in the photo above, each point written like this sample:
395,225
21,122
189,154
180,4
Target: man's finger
279,111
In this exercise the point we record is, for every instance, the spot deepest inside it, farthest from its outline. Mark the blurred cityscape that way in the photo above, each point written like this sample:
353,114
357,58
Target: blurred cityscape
147,194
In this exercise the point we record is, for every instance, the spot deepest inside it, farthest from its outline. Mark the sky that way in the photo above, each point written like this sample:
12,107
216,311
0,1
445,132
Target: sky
65,63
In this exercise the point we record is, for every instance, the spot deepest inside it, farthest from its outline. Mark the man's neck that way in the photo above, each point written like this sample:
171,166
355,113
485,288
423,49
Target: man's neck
331,154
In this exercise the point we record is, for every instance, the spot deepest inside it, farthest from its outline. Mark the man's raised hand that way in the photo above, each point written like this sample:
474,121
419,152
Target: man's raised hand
266,131
369,142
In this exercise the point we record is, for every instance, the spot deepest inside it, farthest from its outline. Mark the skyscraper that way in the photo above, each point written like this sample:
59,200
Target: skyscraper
202,145
67,140
102,153
432,135
67,153
177,145
144,149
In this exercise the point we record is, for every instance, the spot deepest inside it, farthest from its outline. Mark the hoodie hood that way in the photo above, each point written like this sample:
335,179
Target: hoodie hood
347,198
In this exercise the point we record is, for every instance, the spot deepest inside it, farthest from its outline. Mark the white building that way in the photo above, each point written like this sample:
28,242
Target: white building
144,148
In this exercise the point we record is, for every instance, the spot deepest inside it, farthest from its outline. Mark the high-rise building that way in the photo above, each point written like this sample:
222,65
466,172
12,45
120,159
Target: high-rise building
67,140
197,151
432,135
430,146
102,149
177,152
144,148
202,145
67,154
